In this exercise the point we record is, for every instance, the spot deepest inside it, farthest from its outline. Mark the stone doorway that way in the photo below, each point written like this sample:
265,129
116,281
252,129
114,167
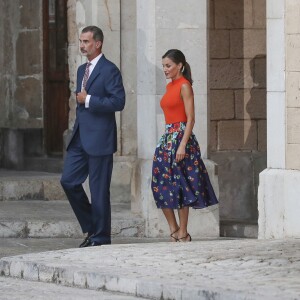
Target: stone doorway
56,76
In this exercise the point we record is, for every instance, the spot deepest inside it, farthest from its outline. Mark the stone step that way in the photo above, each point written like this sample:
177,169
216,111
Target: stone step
14,289
208,269
53,219
44,164
238,228
31,185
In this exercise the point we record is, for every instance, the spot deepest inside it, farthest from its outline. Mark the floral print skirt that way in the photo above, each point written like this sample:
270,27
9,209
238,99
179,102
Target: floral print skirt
186,183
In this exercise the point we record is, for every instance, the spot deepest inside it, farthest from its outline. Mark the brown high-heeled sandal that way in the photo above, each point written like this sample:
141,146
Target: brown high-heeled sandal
174,237
184,238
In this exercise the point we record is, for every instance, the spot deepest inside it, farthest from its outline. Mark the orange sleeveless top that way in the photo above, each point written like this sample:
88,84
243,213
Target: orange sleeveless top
172,103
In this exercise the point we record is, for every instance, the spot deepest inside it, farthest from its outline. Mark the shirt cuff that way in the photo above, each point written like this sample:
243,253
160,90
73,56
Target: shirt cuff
87,101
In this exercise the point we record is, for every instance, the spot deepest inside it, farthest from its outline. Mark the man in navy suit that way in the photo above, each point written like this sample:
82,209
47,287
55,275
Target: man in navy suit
99,94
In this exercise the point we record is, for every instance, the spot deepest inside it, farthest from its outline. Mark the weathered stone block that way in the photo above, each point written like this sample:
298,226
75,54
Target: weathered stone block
33,143
292,52
237,172
129,126
104,14
28,99
258,71
259,13
167,15
29,53
276,130
128,13
12,230
221,104
13,150
71,21
52,190
111,46
279,219
292,20
293,89
129,64
262,135
233,14
250,104
230,74
6,86
213,135
247,43
30,16
237,135
293,125
6,46
219,43
211,14
292,156
1,147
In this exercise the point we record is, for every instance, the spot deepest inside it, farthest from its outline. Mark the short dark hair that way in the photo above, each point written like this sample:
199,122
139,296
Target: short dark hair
97,32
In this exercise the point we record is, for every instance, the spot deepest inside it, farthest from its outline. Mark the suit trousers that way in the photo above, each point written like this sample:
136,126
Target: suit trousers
94,217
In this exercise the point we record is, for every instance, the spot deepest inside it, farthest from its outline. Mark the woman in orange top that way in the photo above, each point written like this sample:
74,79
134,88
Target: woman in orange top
179,176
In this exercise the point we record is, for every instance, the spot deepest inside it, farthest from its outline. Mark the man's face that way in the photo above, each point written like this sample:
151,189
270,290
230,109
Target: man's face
88,46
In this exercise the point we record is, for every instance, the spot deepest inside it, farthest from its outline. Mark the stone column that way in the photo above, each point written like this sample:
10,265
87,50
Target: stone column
161,26
279,189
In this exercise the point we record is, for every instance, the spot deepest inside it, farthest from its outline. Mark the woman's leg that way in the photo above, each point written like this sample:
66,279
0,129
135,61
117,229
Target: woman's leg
171,219
183,214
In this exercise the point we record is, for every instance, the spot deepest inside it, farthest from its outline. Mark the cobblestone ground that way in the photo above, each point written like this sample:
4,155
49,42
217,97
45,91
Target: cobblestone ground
211,269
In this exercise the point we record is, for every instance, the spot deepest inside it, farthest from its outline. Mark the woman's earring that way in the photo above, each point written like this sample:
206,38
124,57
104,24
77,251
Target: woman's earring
182,69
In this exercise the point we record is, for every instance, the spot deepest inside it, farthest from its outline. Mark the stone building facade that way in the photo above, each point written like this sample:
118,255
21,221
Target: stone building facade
225,44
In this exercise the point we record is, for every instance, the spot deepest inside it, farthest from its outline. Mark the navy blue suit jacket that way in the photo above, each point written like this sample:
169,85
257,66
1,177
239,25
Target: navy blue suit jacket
97,124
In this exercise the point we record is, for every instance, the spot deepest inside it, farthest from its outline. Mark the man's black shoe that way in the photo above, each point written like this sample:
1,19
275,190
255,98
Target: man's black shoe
92,244
86,241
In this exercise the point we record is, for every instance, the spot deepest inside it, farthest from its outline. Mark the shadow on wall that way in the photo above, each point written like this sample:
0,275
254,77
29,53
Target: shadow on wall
255,105
256,110
238,97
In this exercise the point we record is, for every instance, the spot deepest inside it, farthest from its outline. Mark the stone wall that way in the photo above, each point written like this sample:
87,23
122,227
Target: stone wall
129,73
292,44
21,99
21,78
238,102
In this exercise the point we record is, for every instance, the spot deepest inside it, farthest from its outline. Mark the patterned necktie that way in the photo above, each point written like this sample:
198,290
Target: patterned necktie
86,75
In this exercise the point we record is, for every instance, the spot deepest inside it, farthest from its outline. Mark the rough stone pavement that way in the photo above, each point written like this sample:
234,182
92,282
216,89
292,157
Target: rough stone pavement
17,246
210,269
17,289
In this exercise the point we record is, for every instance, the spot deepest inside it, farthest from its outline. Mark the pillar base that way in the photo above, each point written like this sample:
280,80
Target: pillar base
278,204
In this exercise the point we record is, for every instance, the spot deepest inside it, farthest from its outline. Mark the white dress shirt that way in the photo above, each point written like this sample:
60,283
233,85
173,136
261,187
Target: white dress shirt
93,63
